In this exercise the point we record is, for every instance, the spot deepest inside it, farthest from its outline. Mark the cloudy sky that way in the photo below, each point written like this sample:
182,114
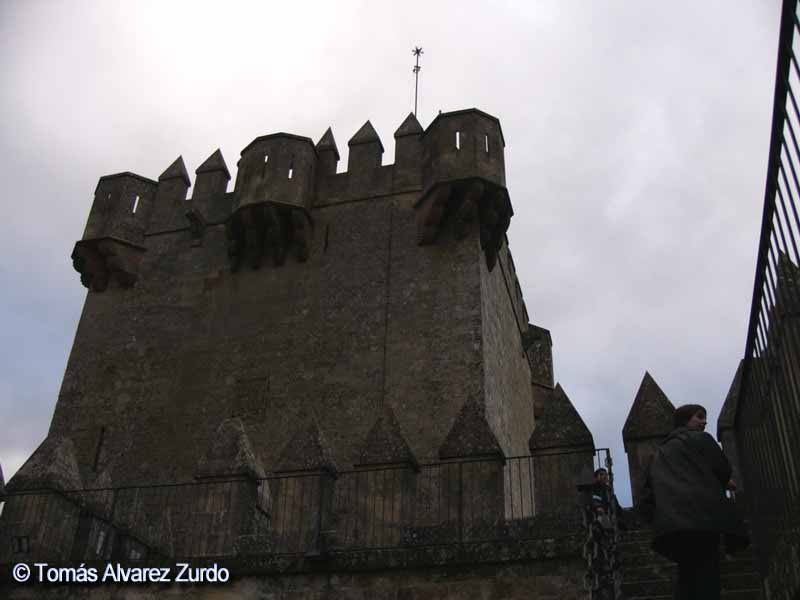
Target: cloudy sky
636,146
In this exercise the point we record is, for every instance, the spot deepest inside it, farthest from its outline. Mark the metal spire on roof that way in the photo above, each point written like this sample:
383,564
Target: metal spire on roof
416,51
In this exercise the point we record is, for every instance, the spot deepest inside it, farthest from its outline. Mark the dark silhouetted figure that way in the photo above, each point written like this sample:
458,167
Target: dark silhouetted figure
684,497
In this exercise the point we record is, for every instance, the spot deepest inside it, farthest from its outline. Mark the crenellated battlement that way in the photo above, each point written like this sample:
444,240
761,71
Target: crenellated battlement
456,168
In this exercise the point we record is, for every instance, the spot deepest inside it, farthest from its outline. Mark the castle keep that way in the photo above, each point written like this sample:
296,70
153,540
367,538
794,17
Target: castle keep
274,346
302,301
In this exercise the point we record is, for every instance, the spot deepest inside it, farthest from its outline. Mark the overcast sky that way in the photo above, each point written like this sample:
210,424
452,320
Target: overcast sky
636,147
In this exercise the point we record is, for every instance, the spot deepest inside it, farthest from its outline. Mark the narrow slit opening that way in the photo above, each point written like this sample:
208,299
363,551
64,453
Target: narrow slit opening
291,169
458,140
135,205
266,158
99,447
486,142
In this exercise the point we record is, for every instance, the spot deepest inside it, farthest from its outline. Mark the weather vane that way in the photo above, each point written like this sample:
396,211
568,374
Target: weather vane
416,51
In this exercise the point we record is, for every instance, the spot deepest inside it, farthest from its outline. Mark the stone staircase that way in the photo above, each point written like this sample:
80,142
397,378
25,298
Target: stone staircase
648,576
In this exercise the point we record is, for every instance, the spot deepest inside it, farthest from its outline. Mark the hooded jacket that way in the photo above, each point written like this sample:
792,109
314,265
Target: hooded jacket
685,486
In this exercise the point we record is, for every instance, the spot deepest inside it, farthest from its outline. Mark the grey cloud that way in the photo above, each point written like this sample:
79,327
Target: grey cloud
636,149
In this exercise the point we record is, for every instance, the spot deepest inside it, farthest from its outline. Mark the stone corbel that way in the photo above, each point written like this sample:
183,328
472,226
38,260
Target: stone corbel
103,259
463,201
268,228
197,226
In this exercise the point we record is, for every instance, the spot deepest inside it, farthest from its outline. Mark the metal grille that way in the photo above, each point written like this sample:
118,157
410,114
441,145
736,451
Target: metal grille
304,513
768,412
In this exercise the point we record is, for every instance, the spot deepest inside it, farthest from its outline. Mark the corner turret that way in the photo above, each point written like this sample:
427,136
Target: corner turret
464,143
464,179
113,241
275,190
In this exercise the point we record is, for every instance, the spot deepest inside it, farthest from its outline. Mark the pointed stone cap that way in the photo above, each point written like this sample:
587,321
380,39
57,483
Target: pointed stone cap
326,142
560,426
651,414
230,453
385,443
307,451
470,435
177,170
214,163
365,135
727,415
52,466
409,127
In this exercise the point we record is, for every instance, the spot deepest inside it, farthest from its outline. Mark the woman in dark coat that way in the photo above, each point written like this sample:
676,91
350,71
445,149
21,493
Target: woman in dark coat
685,494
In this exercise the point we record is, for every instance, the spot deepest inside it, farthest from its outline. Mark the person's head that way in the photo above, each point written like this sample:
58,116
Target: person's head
691,416
601,476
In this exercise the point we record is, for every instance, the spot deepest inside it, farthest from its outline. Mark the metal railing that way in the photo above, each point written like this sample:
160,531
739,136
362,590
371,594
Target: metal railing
767,424
309,514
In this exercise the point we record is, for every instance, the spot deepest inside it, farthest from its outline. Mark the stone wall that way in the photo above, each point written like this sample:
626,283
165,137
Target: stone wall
507,377
356,313
370,318
305,324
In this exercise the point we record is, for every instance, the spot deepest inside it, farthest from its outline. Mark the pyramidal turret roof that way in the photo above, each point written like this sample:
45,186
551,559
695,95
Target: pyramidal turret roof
385,443
410,126
213,163
52,466
365,135
177,170
651,414
327,142
727,415
561,426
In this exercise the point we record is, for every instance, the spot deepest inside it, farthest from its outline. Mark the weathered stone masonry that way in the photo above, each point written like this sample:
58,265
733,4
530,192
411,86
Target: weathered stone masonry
306,322
302,295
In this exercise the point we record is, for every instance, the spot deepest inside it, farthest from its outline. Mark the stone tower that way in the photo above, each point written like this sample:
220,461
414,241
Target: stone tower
303,295
257,344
